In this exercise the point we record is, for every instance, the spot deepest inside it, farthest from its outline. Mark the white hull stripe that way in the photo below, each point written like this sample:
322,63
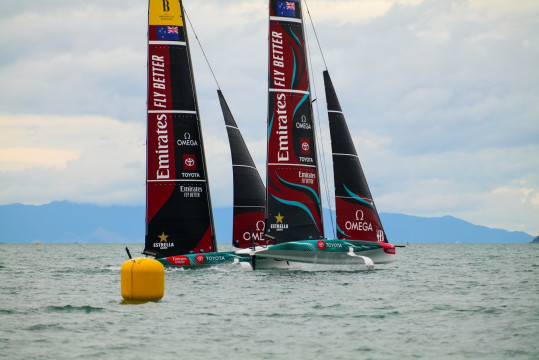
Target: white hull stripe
172,112
288,91
164,42
284,18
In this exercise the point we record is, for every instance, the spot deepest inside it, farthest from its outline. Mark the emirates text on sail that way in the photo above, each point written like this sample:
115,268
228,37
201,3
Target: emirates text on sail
277,57
160,101
158,81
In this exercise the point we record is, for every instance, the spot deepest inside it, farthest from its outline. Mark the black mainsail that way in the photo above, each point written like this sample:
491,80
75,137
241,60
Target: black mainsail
178,210
357,217
249,190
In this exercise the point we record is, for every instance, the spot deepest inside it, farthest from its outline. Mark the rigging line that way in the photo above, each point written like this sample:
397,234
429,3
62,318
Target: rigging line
201,48
315,35
320,149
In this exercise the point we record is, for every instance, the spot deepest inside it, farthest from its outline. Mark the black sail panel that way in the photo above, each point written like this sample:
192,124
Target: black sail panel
249,191
294,210
357,217
178,210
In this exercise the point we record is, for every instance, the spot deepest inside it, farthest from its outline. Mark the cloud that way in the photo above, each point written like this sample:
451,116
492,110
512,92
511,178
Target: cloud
440,97
95,159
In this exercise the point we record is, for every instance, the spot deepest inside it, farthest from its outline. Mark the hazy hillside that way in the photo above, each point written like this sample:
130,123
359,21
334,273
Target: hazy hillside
64,222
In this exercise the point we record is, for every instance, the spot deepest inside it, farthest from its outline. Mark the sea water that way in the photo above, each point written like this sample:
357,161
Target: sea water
435,302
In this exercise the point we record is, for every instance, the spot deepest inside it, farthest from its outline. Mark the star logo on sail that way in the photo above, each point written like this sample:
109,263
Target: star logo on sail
163,237
163,243
279,225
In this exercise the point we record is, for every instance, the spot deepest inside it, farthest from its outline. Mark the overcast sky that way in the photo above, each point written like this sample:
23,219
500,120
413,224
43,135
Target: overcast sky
441,96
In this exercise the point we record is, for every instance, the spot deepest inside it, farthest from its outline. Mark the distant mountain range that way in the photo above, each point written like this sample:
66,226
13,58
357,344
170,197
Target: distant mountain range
65,222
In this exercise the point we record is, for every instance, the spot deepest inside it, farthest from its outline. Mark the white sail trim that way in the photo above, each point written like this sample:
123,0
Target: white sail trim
279,164
341,154
289,91
232,127
177,180
335,111
167,42
284,18
172,112
247,166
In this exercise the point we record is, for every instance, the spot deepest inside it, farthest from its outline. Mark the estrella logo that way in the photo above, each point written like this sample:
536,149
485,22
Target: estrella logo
321,244
200,258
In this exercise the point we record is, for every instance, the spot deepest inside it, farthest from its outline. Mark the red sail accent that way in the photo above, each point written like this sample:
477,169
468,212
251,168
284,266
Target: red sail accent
160,146
357,222
248,229
206,244
293,192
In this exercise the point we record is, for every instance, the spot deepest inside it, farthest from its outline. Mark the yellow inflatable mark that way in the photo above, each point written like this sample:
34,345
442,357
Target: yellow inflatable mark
142,280
165,12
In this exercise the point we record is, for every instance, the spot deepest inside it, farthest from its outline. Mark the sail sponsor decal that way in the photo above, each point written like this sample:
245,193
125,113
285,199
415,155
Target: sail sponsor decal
165,12
279,225
189,163
249,229
358,221
187,141
163,243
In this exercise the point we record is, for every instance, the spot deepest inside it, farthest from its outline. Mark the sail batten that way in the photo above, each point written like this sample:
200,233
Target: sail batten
178,210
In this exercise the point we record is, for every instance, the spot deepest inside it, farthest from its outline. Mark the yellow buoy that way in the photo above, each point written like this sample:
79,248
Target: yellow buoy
143,279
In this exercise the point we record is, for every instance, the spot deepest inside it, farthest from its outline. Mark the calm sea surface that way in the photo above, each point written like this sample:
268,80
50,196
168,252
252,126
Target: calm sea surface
435,302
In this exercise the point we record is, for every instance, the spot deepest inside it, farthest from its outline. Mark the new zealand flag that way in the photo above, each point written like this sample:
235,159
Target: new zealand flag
286,8
168,33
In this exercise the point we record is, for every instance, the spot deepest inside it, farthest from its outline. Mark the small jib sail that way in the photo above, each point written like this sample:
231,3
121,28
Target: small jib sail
357,218
293,193
249,190
178,210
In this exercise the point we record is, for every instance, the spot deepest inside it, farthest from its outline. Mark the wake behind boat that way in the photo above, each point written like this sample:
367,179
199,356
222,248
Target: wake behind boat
280,226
